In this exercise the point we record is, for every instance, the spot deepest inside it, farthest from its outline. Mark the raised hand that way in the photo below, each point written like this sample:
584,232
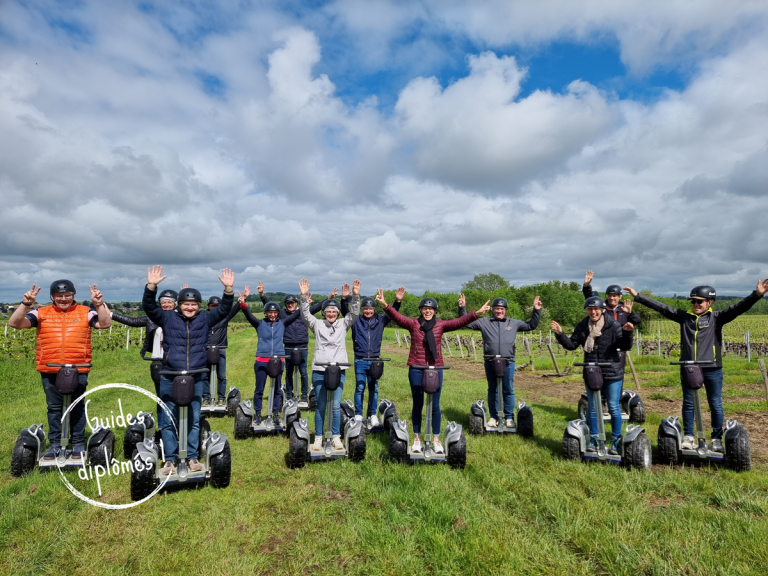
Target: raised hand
537,303
30,296
631,291
380,296
356,287
762,287
556,328
96,296
260,288
627,305
241,296
228,279
399,294
462,301
336,293
485,307
183,286
155,276
309,300
628,327
304,286
588,278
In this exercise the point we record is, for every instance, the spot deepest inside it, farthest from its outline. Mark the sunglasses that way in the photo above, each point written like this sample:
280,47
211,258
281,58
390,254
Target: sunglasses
698,300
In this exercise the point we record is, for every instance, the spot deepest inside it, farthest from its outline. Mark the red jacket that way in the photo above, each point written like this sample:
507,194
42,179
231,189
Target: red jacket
418,355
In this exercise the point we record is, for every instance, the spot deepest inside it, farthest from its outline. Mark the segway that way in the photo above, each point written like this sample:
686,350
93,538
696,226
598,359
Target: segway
632,407
291,406
353,433
387,413
212,356
214,451
736,454
455,451
479,413
246,424
30,445
635,444
144,425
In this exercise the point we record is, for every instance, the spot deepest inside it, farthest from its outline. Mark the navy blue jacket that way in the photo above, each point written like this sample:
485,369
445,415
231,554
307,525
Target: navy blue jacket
184,339
296,334
271,334
366,334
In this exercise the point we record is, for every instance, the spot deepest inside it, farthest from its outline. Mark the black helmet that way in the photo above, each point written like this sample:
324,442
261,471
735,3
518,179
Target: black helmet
703,292
331,303
214,300
62,286
594,302
499,302
291,298
613,289
428,303
271,307
190,294
368,302
172,294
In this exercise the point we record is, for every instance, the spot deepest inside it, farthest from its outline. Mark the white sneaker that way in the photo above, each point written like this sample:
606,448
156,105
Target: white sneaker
374,421
437,445
416,445
317,445
510,423
688,443
359,417
337,445
492,423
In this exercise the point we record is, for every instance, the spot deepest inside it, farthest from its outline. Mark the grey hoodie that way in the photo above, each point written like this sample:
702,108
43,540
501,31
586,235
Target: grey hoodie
499,335
330,339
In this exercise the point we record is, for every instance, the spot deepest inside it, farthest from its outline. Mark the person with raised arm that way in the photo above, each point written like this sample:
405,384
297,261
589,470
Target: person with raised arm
602,338
330,346
701,339
426,350
63,337
185,336
218,337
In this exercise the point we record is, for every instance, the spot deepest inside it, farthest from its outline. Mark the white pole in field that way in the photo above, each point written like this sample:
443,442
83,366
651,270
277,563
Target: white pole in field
749,351
6,331
550,338
127,338
637,339
110,329
659,342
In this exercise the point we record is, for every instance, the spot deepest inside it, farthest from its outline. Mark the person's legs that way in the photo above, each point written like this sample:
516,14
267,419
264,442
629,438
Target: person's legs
336,421
508,390
361,375
687,409
373,396
436,414
490,375
168,431
612,391
278,399
591,413
417,393
317,383
77,413
289,368
193,415
260,368
304,376
221,373
207,385
713,382
156,380
55,404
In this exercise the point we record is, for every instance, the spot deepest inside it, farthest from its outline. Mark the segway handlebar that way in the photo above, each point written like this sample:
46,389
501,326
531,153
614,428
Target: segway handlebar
286,347
592,364
150,359
347,364
432,367
377,358
52,365
183,372
692,362
219,347
497,356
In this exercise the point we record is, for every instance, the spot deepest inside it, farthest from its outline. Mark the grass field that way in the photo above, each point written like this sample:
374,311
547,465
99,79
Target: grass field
517,508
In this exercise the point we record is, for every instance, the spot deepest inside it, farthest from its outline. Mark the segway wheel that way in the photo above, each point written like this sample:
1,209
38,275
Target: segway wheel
22,459
357,448
344,418
143,482
668,449
221,467
290,419
389,419
457,453
583,407
476,425
637,412
398,449
738,453
525,422
637,453
297,449
242,424
232,404
312,401
571,447
96,455
205,432
130,440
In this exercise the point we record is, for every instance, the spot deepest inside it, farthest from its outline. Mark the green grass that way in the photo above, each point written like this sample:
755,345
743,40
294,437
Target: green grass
517,508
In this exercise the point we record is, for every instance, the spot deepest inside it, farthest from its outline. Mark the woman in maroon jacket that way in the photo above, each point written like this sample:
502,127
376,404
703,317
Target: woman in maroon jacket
426,341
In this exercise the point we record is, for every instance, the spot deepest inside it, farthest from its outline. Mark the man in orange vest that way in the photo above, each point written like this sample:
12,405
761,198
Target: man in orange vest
63,337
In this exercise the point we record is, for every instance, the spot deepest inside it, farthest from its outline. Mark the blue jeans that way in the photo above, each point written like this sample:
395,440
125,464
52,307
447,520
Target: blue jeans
612,392
362,378
221,376
713,384
417,392
320,393
507,390
302,371
261,380
168,432
55,402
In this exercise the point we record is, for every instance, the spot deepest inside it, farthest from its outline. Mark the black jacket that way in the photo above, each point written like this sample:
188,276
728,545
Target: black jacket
296,334
217,336
701,337
607,345
139,322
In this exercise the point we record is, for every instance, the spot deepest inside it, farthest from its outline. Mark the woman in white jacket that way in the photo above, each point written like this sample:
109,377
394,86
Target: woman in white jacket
330,346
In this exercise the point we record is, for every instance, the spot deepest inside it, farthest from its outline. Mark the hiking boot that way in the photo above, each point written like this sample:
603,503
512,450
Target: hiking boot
195,466
437,445
78,452
276,419
416,445
257,419
492,423
717,445
374,421
510,423
206,402
220,402
592,446
317,445
53,451
615,448
168,468
304,399
688,443
336,442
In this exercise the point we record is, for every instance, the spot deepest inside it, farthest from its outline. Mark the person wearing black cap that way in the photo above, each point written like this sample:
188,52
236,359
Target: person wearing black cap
218,337
701,338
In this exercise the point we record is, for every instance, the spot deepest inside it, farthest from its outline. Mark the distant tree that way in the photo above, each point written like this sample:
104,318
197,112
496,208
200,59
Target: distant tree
489,282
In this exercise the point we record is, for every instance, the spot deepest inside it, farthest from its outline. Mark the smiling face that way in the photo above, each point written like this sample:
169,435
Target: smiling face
368,312
290,306
189,308
612,300
64,300
167,304
700,306
271,315
331,314
594,313
427,313
499,312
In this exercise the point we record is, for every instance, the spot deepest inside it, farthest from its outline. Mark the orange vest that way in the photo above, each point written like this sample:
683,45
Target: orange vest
63,337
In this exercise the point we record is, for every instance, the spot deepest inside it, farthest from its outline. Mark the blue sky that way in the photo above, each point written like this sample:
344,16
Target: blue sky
405,143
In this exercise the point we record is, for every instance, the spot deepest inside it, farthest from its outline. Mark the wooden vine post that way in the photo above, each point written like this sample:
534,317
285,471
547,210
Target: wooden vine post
632,367
761,363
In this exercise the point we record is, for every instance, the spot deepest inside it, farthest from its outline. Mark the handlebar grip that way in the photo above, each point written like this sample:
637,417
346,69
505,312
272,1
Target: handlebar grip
53,365
432,367
183,372
592,364
692,362
346,364
377,358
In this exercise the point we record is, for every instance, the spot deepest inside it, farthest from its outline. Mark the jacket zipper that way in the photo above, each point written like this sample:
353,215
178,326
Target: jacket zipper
187,345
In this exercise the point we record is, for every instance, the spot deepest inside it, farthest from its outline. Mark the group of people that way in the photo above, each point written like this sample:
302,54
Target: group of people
178,332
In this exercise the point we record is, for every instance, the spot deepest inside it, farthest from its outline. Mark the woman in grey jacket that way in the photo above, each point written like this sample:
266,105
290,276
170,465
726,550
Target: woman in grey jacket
330,346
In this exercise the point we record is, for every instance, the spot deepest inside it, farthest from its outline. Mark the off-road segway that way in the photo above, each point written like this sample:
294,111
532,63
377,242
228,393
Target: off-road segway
455,451
144,425
737,452
212,407
386,412
635,444
479,416
214,451
30,445
352,434
632,407
247,422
